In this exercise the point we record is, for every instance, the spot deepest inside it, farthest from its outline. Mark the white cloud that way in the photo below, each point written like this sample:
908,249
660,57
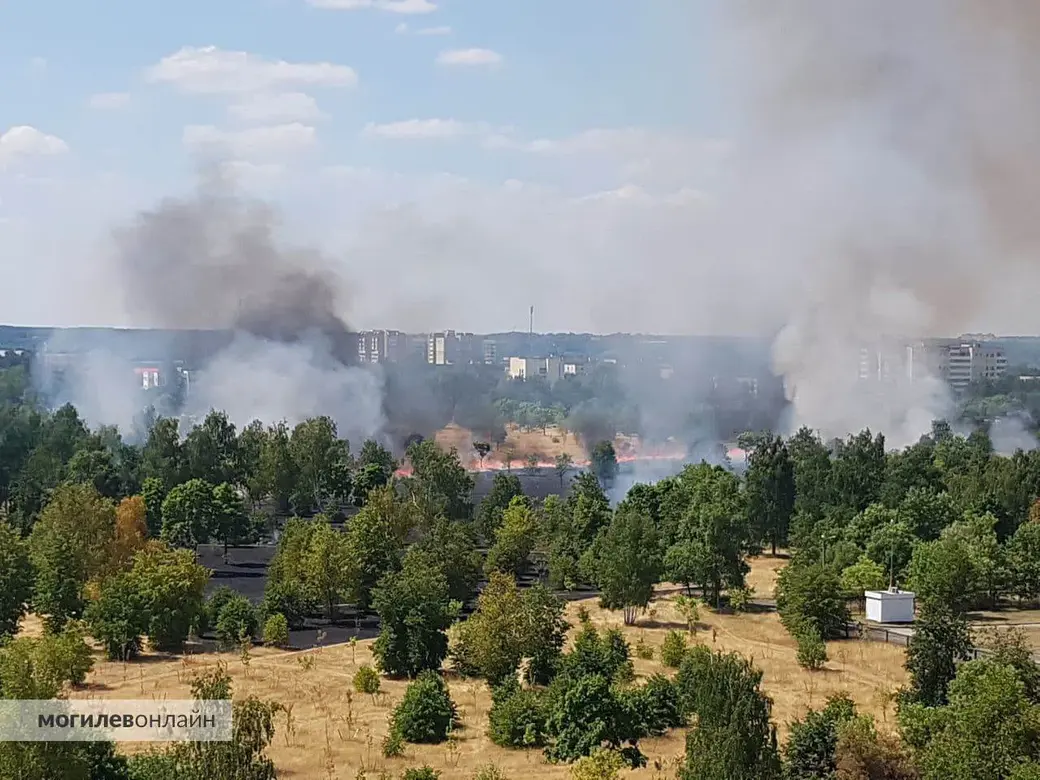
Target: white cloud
255,142
420,129
214,71
106,101
469,57
276,107
393,6
404,29
26,141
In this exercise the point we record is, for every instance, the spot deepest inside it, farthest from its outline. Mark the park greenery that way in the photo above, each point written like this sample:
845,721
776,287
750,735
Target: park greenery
99,537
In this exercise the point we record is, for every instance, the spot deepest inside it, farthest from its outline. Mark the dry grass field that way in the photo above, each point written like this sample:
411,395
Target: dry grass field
333,732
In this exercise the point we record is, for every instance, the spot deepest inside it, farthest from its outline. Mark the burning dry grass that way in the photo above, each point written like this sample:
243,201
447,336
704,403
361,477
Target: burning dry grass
331,726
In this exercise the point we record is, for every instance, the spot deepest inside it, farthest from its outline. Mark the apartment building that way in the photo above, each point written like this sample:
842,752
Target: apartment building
958,362
380,346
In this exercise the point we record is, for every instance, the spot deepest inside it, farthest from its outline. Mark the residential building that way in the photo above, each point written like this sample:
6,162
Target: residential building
442,348
552,369
380,346
149,376
490,352
959,362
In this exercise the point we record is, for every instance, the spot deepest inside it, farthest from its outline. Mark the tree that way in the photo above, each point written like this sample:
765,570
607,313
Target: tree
163,457
515,538
131,533
483,449
859,470
861,753
374,543
153,491
236,621
276,631
810,595
286,590
603,462
414,612
453,546
1023,553
504,488
583,714
988,730
322,466
172,588
941,639
943,573
230,522
440,483
278,470
95,468
189,514
249,451
118,617
426,714
811,747
626,562
562,465
860,577
68,547
16,580
771,492
734,738
332,571
211,450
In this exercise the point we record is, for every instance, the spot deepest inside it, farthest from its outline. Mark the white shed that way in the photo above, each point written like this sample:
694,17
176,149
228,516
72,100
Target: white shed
890,606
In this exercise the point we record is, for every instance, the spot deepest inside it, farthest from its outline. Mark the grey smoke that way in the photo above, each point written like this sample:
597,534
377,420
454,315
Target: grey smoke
886,187
213,260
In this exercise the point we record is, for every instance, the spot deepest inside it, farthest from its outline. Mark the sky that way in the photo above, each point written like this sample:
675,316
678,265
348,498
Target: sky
457,160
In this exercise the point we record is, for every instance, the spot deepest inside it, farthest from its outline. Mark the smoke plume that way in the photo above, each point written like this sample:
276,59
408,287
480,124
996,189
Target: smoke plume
213,261
885,188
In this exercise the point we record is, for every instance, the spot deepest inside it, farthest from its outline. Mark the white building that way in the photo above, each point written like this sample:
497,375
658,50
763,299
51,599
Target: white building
889,606
552,369
959,362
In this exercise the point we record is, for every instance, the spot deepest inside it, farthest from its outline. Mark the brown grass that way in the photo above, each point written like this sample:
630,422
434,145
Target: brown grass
332,722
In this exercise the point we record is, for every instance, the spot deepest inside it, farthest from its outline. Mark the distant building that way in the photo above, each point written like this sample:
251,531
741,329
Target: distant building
490,352
380,346
958,362
448,348
552,369
149,376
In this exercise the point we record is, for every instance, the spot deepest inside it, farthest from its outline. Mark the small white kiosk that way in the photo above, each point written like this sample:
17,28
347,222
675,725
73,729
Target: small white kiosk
889,606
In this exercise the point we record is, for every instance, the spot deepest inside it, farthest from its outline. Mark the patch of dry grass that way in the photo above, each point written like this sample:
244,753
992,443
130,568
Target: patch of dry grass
330,725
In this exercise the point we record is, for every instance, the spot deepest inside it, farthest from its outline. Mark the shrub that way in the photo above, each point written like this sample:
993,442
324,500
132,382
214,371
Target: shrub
673,650
393,744
235,621
606,655
424,772
489,772
65,656
812,652
118,618
583,714
276,630
654,706
426,714
214,604
366,680
643,650
740,598
288,598
517,717
601,764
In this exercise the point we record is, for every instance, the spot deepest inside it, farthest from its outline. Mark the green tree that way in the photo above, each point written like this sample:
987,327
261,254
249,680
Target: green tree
426,714
1023,557
95,467
414,612
771,492
811,595
374,543
249,451
154,493
453,546
211,450
330,566
69,546
230,522
862,576
858,470
563,465
236,621
810,752
603,462
16,580
189,514
504,488
278,470
172,587
626,562
943,573
162,457
584,713
734,738
118,617
515,538
940,641
439,482
322,466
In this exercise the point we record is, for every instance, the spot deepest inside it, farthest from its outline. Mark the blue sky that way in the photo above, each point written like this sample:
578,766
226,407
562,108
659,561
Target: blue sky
452,108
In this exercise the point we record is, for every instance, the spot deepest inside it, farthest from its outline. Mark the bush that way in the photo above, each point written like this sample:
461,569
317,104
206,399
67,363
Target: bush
393,745
812,652
235,621
424,772
517,717
606,655
643,650
426,714
65,656
740,598
673,650
276,631
654,706
585,713
288,598
489,772
601,764
214,604
118,619
366,680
